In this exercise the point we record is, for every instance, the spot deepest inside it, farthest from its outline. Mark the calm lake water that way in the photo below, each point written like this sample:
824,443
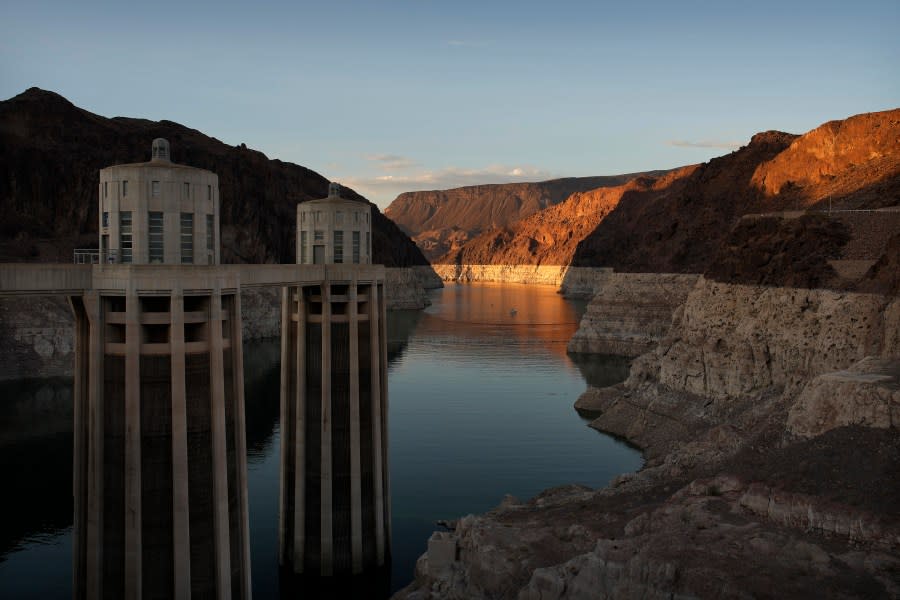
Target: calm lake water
481,394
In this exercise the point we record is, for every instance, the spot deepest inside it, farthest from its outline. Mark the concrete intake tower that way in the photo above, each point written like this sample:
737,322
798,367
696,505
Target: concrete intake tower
159,469
160,457
335,500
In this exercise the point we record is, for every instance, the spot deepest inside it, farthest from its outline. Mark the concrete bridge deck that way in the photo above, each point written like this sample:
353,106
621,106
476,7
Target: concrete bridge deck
25,279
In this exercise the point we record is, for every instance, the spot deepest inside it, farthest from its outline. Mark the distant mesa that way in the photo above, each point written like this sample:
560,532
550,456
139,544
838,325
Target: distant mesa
442,221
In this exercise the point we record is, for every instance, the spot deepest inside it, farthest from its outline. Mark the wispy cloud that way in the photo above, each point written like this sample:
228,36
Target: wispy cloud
383,188
456,177
705,144
392,161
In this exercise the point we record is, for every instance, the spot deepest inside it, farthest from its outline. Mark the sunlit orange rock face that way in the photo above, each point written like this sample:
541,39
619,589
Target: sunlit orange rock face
551,236
442,221
678,222
853,160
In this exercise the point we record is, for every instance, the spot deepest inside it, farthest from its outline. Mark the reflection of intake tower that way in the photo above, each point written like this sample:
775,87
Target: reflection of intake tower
335,503
160,468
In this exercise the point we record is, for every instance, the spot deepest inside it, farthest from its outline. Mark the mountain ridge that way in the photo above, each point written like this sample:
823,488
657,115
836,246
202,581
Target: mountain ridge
680,222
440,221
51,152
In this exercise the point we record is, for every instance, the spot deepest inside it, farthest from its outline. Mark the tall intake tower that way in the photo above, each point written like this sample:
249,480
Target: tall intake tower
335,500
160,457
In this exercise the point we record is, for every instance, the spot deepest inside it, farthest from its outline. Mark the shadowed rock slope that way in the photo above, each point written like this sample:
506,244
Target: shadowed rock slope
51,152
441,221
850,164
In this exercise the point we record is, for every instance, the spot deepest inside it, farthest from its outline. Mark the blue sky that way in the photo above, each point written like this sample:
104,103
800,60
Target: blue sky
393,96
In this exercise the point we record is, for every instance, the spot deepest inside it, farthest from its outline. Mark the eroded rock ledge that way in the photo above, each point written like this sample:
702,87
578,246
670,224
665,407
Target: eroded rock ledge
630,312
768,419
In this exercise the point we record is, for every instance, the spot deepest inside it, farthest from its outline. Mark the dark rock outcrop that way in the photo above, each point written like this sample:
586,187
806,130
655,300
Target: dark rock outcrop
884,276
51,152
775,251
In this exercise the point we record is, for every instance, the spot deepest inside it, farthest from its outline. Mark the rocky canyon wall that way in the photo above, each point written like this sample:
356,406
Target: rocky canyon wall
407,288
37,338
630,312
736,356
731,340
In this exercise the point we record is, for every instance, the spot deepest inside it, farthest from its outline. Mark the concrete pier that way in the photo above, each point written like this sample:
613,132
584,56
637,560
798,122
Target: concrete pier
333,515
160,473
159,509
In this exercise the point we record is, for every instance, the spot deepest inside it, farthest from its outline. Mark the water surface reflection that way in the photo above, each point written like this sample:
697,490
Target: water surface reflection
480,406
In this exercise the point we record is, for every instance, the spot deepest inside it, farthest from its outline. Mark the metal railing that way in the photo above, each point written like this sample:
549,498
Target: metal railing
93,256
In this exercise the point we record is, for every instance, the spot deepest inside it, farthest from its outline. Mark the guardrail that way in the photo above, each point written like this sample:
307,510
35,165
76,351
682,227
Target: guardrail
92,256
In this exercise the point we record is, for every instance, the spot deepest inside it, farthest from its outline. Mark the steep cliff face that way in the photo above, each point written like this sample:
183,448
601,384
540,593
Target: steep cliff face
735,361
677,228
854,162
406,288
441,221
733,340
844,164
630,313
550,236
50,156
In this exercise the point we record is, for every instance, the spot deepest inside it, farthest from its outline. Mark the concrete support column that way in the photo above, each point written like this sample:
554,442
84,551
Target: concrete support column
385,411
355,447
133,557
80,452
285,399
92,427
327,476
299,449
240,432
219,454
378,467
180,498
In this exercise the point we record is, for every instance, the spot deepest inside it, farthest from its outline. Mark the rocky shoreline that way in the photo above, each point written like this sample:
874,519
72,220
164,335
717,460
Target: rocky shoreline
768,418
580,283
